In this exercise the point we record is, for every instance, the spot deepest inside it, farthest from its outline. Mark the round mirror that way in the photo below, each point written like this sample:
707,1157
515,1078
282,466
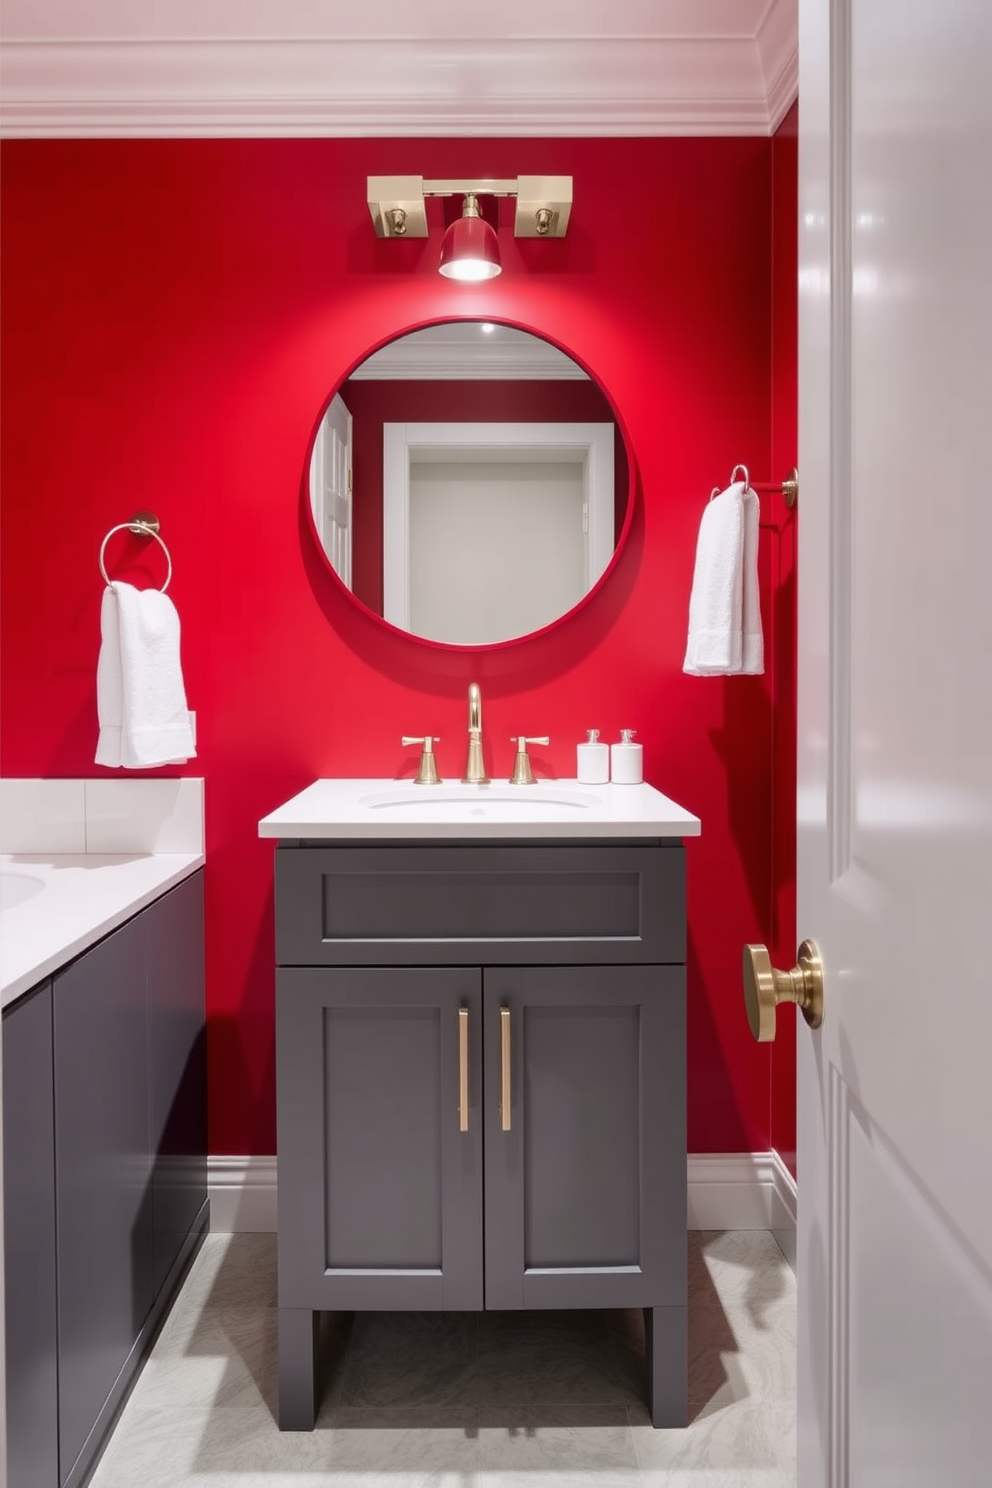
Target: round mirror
469,483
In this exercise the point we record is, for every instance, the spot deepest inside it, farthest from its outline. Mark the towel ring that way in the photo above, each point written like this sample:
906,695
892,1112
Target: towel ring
143,524
747,478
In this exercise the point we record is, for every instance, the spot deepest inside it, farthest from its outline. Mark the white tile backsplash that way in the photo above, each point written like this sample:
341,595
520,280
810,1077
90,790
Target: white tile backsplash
101,816
42,816
144,816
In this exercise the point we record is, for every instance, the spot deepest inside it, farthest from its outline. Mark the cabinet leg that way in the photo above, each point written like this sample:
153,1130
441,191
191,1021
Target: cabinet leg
298,1328
667,1349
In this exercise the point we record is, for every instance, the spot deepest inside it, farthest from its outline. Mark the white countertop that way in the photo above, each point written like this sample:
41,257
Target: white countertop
550,809
83,896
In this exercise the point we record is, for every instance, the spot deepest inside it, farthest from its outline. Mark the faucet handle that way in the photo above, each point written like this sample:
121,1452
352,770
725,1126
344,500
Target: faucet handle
522,772
427,773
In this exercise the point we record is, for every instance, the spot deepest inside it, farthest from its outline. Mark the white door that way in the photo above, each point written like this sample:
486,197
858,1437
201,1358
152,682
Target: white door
895,743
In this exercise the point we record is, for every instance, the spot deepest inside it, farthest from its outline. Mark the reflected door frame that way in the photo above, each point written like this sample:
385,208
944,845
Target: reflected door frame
592,443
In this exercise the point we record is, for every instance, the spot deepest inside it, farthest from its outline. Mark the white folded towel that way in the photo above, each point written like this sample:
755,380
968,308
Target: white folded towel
725,636
141,700
752,639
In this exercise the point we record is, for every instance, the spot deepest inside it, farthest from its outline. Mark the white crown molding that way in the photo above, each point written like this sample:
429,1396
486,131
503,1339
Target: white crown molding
718,69
778,48
489,363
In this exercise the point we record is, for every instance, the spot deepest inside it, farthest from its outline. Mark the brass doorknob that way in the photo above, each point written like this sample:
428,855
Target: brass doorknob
765,988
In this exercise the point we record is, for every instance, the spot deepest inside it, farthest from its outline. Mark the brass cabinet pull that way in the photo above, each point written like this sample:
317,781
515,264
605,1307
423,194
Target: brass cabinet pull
504,1038
463,1069
765,988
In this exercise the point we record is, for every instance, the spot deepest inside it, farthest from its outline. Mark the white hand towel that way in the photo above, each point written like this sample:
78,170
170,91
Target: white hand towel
141,700
724,612
716,602
752,639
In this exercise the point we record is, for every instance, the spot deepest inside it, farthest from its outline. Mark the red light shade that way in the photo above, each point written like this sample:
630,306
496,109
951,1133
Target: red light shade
470,248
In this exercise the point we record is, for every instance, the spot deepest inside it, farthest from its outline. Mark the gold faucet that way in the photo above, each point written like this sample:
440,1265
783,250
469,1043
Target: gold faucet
475,769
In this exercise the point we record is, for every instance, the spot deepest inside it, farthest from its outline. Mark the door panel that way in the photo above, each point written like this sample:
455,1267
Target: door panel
895,738
103,1174
585,1194
581,1095
177,1068
30,1451
383,1099
380,1192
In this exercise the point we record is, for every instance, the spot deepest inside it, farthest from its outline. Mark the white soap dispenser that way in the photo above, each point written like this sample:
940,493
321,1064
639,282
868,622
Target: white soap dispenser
627,760
592,760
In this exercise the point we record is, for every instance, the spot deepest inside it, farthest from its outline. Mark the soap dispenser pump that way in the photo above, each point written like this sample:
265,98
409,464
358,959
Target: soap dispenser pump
627,760
592,765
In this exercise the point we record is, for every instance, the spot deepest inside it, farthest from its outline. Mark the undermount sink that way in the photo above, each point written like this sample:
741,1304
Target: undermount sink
502,801
16,888
332,809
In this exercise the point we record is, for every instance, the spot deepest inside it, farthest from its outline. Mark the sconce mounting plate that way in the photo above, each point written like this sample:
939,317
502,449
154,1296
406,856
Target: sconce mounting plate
543,206
397,204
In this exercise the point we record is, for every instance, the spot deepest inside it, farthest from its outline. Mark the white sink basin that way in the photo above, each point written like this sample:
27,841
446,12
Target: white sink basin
332,809
15,888
501,802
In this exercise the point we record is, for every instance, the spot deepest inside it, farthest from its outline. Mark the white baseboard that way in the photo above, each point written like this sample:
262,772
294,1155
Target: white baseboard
741,1191
727,1191
242,1193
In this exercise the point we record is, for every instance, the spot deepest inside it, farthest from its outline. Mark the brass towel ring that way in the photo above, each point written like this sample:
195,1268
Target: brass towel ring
142,524
747,478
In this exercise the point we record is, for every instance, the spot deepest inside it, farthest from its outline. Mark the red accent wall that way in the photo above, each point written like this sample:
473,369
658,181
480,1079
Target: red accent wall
374,401
176,313
785,416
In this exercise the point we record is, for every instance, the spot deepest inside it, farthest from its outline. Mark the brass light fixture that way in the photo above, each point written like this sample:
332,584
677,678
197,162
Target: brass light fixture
470,248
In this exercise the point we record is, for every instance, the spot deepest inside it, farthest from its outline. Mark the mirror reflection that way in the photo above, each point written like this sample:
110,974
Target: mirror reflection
468,482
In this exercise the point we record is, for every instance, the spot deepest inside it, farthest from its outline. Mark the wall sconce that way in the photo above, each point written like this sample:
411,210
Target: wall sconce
470,248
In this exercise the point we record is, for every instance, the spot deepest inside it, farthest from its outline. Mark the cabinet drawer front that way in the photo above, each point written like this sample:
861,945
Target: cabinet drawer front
453,904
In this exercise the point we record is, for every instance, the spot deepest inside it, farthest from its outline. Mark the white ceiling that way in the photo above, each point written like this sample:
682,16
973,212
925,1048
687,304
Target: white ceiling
394,67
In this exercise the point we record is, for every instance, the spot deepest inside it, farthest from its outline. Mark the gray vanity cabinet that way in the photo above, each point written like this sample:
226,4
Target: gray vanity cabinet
104,1178
103,1174
177,1070
481,1087
29,1243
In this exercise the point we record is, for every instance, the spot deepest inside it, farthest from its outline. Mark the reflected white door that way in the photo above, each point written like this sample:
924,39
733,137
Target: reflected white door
330,487
523,525
895,743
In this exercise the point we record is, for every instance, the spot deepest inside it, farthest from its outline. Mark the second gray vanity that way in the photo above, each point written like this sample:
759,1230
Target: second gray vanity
481,1076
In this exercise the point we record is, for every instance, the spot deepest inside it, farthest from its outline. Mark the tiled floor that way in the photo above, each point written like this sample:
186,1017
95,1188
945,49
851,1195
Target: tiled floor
460,1400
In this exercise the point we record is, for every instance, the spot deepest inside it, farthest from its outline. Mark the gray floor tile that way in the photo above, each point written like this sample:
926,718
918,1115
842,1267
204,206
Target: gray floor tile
727,1446
559,1447
220,1357
743,1268
463,1400
414,1358
555,1358
426,1447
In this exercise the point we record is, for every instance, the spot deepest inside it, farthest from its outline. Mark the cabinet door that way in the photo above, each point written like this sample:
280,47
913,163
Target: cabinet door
380,1191
29,1244
103,1174
177,1075
586,1189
